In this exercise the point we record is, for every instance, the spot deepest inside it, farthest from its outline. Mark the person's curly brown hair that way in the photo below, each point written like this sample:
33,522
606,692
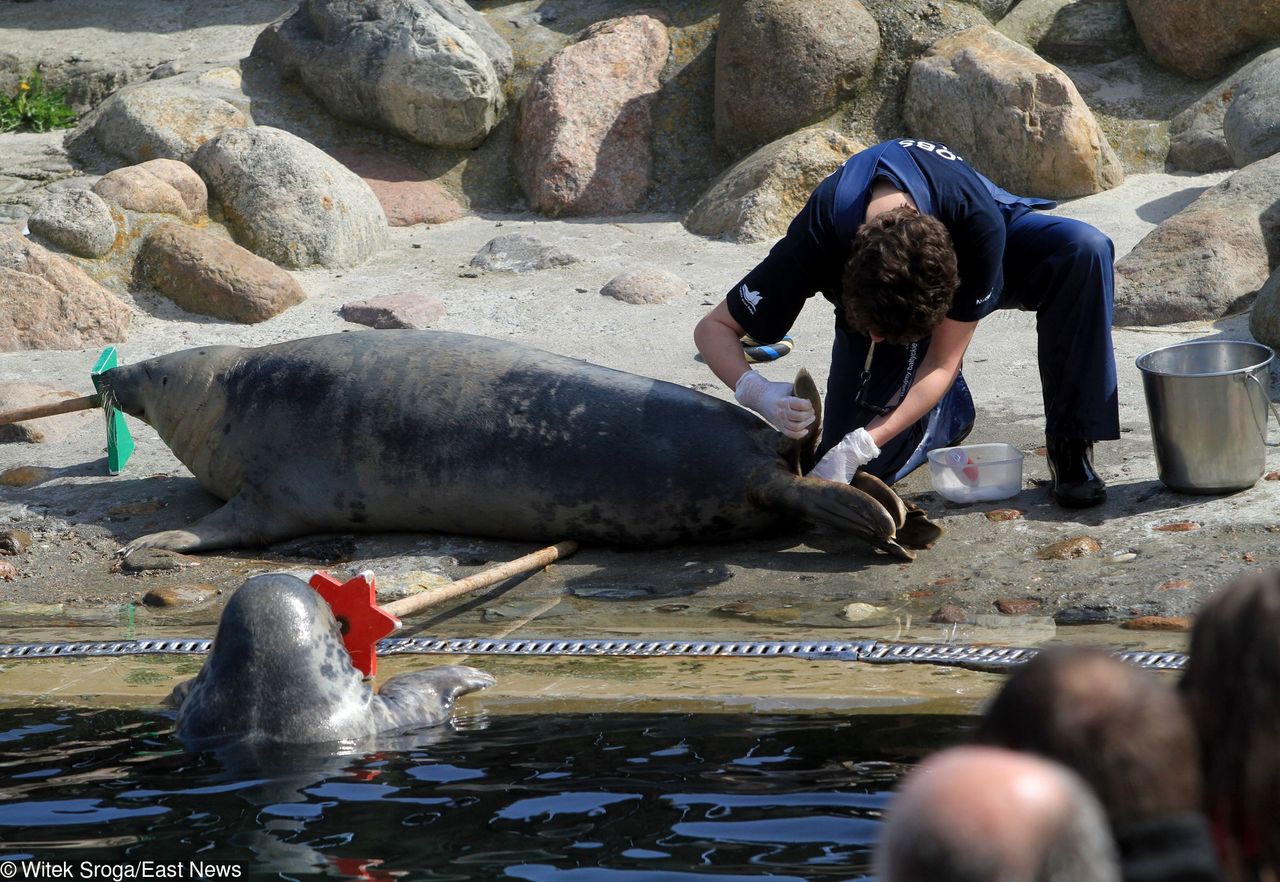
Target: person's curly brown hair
901,276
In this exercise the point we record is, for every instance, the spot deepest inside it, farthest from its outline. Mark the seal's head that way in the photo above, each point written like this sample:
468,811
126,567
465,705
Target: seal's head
278,671
172,390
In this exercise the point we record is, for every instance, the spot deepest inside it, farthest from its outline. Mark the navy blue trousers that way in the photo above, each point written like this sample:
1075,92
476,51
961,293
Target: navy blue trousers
1057,267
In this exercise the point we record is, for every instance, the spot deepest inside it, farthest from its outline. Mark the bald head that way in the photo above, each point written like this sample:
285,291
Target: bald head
980,814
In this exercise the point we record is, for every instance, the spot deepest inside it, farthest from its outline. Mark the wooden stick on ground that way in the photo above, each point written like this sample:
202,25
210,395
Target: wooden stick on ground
537,560
67,405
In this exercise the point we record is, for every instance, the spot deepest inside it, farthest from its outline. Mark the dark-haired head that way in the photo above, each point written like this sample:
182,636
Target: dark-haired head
901,276
1232,689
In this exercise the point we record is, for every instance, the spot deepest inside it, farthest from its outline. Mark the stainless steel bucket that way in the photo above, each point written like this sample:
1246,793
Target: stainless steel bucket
1207,402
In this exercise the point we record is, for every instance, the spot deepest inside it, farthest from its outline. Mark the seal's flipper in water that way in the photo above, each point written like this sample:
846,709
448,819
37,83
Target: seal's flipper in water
802,454
242,522
427,696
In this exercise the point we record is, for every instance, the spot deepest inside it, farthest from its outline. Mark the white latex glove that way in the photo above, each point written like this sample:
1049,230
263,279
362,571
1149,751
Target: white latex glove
776,403
841,462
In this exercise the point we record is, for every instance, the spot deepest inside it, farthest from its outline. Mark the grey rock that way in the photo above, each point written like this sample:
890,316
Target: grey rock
1014,116
160,120
994,10
1264,318
519,253
1251,126
645,285
395,311
1080,615
290,202
78,221
429,70
1209,259
754,200
784,64
1076,31
1197,140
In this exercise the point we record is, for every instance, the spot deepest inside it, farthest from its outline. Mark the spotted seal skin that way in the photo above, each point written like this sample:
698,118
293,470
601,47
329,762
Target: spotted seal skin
279,674
437,431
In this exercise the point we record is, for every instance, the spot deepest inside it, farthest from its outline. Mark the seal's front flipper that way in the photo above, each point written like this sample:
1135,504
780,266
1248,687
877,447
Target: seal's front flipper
425,697
802,454
238,524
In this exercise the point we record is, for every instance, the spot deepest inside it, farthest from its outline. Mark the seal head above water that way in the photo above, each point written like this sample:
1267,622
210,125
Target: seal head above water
430,430
279,673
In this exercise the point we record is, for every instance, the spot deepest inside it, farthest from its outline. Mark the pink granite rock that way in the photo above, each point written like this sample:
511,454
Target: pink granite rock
407,195
585,125
395,311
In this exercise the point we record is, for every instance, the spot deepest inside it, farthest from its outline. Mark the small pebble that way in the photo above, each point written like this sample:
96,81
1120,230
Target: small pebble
1158,623
126,510
1078,615
740,608
180,595
1067,549
1121,557
1177,527
8,572
1272,476
858,612
1174,585
1003,514
14,541
949,614
1019,606
672,607
24,476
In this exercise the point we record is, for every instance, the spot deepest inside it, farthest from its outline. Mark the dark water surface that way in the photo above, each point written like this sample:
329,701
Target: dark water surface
552,799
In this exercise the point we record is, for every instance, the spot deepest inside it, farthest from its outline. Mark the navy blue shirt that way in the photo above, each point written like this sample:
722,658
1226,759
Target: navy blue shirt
811,257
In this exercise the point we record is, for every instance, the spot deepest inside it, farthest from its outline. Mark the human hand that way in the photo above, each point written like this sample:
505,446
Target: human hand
776,403
841,462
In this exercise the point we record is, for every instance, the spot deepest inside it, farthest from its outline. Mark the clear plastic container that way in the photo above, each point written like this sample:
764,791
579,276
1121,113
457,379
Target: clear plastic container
976,472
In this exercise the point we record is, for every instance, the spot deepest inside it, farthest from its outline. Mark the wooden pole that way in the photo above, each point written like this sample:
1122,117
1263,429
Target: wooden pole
67,405
537,560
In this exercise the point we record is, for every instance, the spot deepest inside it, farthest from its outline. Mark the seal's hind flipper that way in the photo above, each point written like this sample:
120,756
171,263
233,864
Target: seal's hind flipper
883,494
918,531
841,507
802,454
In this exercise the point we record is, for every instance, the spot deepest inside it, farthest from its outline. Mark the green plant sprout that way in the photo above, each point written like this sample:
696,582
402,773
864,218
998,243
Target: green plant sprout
35,109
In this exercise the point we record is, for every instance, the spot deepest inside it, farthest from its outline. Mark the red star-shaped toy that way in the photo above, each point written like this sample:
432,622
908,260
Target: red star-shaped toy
364,623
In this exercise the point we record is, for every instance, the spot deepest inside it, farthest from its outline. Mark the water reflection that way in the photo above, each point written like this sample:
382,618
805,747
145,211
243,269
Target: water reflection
542,798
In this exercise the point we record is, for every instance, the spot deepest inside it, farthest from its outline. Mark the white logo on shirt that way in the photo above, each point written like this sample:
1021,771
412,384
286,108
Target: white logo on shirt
985,299
750,299
936,149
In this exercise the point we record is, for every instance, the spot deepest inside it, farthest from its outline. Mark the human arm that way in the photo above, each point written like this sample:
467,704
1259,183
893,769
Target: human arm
937,372
718,337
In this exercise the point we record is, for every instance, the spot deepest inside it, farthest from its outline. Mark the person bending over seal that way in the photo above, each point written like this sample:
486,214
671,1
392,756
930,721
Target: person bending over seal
914,247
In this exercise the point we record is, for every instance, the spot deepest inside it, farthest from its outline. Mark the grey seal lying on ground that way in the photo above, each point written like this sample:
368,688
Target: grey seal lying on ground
429,430
279,673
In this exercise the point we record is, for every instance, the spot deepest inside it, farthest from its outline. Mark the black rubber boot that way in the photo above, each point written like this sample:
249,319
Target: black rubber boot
1075,483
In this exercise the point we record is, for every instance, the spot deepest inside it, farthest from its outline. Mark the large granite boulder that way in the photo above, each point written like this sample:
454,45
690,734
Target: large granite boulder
585,122
1014,116
160,120
784,64
755,199
1251,125
1197,137
211,276
429,70
77,221
290,202
50,303
135,188
1200,38
1209,259
1073,31
1264,318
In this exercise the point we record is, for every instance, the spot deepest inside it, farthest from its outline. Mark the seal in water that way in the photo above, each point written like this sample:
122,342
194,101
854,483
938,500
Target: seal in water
279,673
428,430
